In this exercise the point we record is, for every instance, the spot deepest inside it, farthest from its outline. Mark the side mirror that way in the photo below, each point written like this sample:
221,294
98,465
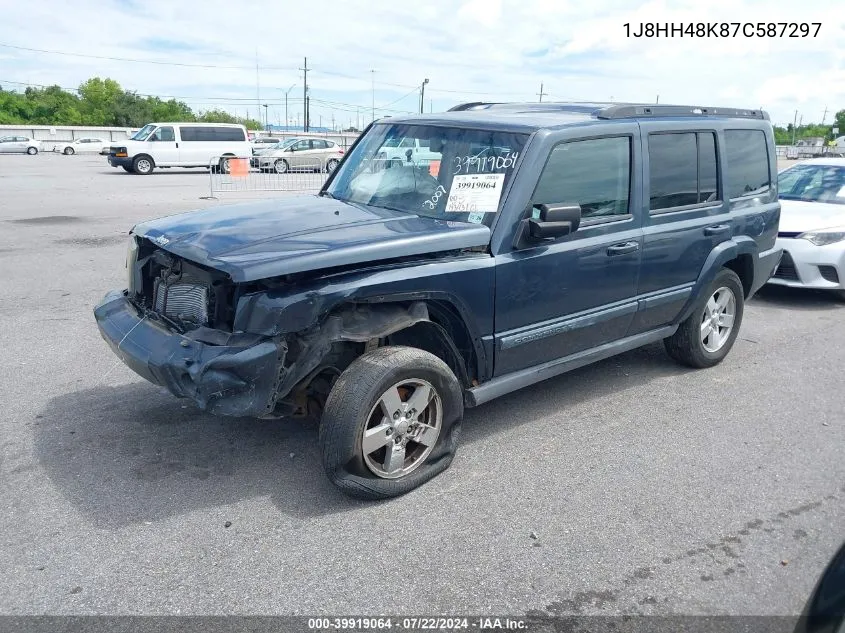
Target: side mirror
409,155
554,220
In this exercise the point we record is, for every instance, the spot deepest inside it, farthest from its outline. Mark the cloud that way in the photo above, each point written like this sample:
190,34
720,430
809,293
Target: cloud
475,49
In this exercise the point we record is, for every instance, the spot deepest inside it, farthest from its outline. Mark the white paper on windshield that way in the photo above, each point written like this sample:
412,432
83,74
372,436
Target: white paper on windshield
841,193
475,193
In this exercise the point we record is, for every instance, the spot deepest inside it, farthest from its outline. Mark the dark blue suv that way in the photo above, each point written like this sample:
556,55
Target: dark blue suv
451,259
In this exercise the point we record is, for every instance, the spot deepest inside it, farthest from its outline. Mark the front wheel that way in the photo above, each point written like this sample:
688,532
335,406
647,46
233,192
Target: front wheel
281,166
708,334
331,165
32,151
142,165
391,423
68,151
224,167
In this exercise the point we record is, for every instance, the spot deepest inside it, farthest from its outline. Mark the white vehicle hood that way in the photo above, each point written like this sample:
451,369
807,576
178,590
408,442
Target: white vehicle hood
797,216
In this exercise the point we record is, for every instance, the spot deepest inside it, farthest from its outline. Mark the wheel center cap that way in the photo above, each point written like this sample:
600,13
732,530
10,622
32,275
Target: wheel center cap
401,426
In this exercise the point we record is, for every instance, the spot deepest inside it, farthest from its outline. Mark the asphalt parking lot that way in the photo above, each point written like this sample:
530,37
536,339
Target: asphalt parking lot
650,488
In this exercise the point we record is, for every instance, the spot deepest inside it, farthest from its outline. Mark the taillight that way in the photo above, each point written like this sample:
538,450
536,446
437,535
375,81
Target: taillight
340,151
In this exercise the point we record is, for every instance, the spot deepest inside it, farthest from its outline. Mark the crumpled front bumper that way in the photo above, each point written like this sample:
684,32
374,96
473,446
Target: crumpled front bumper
237,378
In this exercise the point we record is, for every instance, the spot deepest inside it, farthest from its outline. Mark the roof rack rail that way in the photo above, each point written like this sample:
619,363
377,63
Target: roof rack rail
644,111
472,105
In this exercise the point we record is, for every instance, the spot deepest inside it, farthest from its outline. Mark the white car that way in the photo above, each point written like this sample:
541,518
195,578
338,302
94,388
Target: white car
83,146
812,226
19,145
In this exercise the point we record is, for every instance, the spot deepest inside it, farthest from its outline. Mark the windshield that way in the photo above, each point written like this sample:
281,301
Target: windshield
143,133
813,183
449,173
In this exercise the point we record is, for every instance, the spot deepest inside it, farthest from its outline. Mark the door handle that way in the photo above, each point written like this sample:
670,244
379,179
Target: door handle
717,230
177,145
623,249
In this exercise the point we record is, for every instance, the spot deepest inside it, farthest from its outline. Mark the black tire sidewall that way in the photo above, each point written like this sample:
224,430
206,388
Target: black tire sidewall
135,165
68,151
728,279
347,410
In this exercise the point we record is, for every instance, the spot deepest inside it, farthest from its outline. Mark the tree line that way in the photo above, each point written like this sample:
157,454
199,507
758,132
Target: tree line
101,102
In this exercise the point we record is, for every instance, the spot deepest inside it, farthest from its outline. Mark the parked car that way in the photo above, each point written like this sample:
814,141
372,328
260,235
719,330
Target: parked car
398,297
307,154
812,226
262,142
209,145
19,145
83,146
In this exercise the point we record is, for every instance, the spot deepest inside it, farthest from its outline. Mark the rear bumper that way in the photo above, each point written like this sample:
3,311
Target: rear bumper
821,267
235,379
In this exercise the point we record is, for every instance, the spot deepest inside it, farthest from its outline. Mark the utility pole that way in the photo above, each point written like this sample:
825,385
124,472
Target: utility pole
287,120
431,105
307,113
257,88
542,94
824,116
422,95
658,99
266,120
332,120
373,74
305,95
794,119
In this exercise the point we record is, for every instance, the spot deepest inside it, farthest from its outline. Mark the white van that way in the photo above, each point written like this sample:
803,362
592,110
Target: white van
181,145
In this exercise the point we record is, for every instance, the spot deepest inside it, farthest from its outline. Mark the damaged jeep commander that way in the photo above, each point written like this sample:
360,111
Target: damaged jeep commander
450,259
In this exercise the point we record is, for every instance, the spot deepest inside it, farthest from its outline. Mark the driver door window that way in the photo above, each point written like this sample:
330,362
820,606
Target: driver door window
163,134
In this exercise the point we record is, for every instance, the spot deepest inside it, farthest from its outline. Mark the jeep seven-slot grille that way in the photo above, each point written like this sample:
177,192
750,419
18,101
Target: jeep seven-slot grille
786,269
181,298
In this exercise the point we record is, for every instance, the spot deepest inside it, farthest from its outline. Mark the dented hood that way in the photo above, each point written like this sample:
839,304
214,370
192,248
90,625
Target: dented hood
269,238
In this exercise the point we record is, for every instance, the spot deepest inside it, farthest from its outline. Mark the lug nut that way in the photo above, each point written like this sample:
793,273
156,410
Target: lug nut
396,415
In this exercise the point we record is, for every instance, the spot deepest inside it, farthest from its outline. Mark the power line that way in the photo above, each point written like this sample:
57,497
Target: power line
237,67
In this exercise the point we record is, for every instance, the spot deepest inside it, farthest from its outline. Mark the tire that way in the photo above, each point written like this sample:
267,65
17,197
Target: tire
281,166
355,405
331,165
32,151
127,169
224,167
143,165
839,294
68,151
690,345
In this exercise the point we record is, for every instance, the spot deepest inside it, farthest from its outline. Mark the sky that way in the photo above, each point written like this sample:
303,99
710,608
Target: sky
365,54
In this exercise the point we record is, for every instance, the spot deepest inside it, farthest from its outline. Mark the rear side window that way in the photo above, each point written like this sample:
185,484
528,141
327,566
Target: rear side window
748,162
682,169
207,133
594,173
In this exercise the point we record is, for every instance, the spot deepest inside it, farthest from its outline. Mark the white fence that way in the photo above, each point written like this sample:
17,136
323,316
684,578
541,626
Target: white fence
794,152
258,174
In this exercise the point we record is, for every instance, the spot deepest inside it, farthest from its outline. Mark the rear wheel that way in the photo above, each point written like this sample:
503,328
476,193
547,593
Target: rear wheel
331,165
391,423
708,334
68,151
32,151
143,165
224,167
281,166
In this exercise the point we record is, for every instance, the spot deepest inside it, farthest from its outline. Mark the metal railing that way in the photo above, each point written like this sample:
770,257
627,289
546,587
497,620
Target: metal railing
229,175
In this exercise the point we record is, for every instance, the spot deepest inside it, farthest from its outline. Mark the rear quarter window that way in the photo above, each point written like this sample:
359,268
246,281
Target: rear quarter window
747,163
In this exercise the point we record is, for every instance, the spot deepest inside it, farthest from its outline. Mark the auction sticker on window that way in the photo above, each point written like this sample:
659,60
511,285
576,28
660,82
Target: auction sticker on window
475,193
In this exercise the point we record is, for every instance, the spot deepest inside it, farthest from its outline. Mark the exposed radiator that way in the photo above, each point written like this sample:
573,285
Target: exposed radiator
182,298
